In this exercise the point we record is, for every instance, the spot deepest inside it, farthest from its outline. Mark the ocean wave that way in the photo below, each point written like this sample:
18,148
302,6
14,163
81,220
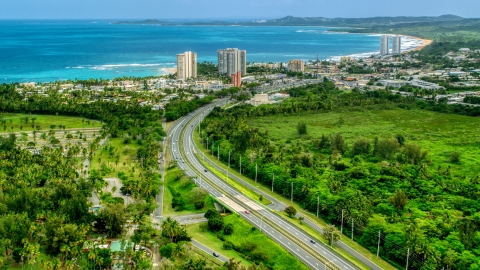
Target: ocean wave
310,31
117,66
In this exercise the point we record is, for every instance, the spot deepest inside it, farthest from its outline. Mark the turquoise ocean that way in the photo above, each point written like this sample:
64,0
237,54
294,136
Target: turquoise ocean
56,50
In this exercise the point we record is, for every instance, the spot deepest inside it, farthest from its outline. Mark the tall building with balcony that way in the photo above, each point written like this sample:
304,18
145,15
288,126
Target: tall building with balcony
396,45
296,65
384,48
232,60
186,65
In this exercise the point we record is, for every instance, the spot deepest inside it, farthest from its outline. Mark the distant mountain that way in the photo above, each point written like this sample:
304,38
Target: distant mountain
316,21
151,21
355,22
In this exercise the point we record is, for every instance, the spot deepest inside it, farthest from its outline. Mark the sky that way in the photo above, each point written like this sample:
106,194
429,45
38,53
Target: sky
231,9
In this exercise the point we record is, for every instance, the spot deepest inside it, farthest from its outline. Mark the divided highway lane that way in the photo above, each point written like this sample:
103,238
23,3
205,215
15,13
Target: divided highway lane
245,203
252,205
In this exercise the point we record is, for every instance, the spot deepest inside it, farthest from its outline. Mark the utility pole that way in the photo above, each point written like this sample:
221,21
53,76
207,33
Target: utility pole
408,254
378,247
240,164
318,204
207,143
256,172
352,228
228,159
291,197
341,227
273,180
218,153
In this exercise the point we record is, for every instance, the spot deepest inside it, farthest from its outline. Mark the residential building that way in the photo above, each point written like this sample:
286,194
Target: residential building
236,79
232,60
384,48
186,65
296,65
259,99
396,45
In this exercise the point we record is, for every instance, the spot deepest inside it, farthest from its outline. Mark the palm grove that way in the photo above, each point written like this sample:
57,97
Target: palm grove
44,215
383,186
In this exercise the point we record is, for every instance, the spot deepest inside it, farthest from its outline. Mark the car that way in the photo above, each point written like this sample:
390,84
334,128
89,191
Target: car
246,212
215,254
205,170
312,241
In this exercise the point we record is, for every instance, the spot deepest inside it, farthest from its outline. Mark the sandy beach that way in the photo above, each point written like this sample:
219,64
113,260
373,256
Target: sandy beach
425,43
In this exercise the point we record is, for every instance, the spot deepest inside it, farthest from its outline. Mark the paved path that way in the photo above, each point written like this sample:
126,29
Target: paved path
190,219
209,251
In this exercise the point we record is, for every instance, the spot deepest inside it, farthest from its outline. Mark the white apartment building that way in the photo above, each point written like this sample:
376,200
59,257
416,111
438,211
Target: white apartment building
232,60
396,45
186,65
384,48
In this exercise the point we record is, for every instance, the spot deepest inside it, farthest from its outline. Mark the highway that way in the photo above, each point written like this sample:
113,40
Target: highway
291,238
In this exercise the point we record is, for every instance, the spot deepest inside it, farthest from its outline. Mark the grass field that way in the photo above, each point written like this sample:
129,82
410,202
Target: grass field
184,186
440,134
210,240
260,245
16,120
115,156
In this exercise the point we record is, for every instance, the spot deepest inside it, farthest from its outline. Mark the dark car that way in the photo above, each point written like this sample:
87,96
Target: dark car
205,170
311,241
215,254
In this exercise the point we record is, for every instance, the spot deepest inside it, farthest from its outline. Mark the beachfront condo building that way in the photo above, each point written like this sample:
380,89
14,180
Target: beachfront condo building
296,65
396,45
384,48
186,65
232,60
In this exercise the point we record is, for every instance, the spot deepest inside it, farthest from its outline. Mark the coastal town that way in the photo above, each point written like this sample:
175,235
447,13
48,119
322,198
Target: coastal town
402,72
357,161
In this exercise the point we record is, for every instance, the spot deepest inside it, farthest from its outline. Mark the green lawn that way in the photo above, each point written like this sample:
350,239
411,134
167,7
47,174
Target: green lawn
115,156
257,245
209,240
176,181
439,134
17,122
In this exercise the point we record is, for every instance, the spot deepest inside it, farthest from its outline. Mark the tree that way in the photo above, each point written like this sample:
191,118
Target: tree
228,229
167,250
215,223
337,143
331,234
302,128
399,199
291,211
111,219
412,153
386,148
361,147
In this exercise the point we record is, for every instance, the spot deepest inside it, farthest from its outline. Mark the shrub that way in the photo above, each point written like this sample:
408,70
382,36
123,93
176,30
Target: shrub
361,147
302,128
386,148
455,157
227,245
228,229
291,211
199,204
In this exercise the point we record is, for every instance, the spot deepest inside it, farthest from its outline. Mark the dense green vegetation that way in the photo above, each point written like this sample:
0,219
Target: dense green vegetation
43,198
401,166
250,243
182,196
178,107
